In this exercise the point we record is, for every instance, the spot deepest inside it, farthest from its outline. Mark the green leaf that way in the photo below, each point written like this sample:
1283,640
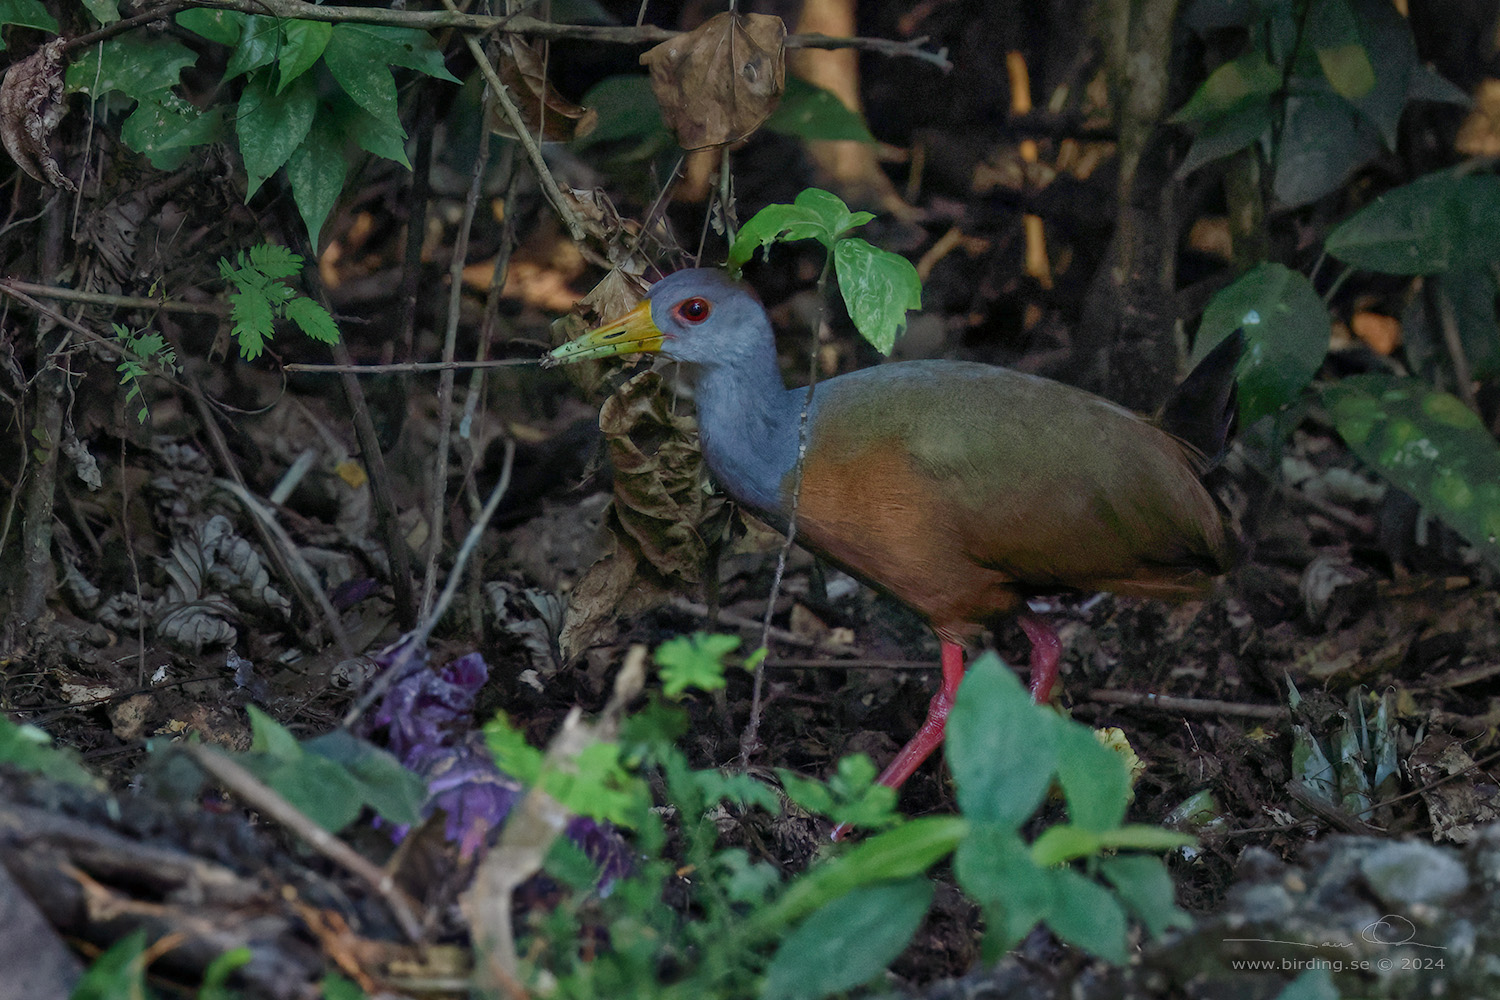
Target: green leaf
512,753
746,881
303,46
908,850
1440,222
104,11
1094,778
219,971
1001,748
319,789
627,110
812,113
168,130
1286,336
316,170
358,61
878,288
271,738
384,139
1387,37
1089,916
1324,140
336,987
222,26
1147,891
118,973
312,319
384,784
1065,842
849,941
136,65
28,748
994,866
253,321
814,215
258,46
1228,133
1229,87
853,796
274,261
1139,837
28,14
695,661
1428,444
1333,33
271,126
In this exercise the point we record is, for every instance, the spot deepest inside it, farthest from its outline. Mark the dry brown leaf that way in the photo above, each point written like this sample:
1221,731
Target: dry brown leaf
718,82
31,106
656,520
543,111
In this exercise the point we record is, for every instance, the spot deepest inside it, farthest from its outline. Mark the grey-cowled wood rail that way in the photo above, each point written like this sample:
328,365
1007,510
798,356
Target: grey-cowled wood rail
959,488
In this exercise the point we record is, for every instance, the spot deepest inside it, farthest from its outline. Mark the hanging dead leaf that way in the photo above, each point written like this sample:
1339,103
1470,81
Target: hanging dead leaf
543,111
718,82
659,519
31,106
620,290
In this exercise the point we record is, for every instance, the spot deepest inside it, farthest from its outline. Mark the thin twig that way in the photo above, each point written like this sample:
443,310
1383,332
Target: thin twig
749,741
411,366
270,803
532,27
781,635
445,379
117,301
550,188
1187,706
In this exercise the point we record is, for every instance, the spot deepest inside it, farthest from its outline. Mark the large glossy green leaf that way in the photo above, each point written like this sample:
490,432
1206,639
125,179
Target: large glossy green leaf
1428,444
1324,139
222,26
878,288
849,941
259,44
1286,336
136,65
1229,133
1001,748
810,112
1333,34
168,129
316,170
1244,80
303,46
27,14
1387,37
271,125
627,110
1440,222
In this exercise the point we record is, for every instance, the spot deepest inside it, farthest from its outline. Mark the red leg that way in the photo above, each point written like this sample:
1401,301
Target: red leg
930,736
1046,652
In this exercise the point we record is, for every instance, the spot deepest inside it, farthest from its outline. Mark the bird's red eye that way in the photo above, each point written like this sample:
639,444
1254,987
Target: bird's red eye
694,310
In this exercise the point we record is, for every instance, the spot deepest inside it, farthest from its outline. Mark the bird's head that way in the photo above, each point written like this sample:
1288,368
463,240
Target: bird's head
698,316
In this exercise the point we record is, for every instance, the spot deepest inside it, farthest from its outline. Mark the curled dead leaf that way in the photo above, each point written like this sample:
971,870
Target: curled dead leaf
543,110
31,106
660,518
718,82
